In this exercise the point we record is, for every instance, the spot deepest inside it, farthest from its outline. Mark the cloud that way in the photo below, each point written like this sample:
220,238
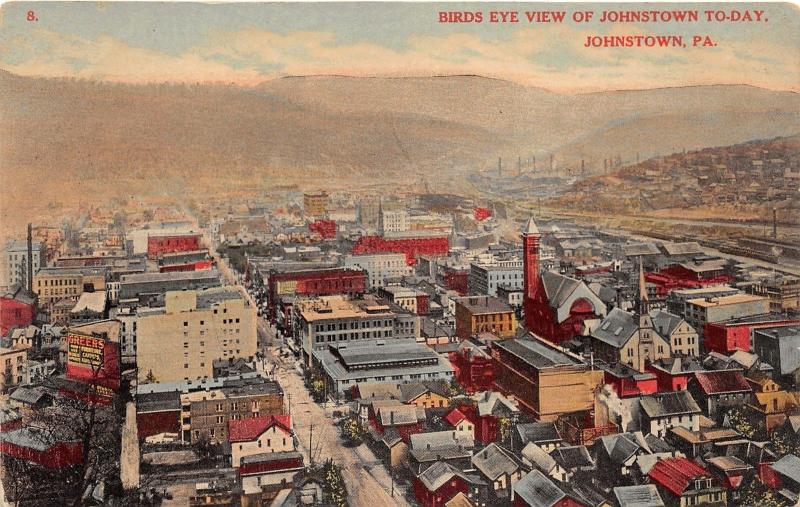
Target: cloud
552,58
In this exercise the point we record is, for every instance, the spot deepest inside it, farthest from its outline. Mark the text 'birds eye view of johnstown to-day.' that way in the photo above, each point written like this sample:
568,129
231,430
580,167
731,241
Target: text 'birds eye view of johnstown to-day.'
399,254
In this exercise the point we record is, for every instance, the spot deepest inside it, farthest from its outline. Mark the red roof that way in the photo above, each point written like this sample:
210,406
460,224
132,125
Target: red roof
455,417
676,474
722,381
246,430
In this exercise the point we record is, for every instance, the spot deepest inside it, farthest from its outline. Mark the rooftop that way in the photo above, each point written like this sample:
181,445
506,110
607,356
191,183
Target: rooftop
538,353
734,299
479,305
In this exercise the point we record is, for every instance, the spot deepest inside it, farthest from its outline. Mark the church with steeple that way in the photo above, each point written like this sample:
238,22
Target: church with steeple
555,305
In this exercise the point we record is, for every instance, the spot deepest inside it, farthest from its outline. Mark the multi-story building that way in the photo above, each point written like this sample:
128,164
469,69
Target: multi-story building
344,365
313,282
782,291
12,362
15,261
676,299
17,309
663,411
321,322
413,300
315,204
702,311
625,337
53,284
380,266
545,379
159,244
484,314
181,339
484,279
369,212
412,245
394,221
779,347
145,287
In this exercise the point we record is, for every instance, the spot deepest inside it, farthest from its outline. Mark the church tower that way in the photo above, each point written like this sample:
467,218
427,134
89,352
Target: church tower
530,259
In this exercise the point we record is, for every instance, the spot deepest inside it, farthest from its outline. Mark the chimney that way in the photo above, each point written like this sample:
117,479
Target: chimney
774,225
30,259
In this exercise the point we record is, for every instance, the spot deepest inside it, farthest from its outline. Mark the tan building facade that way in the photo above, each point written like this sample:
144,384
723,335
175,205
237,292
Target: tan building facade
315,204
181,340
484,314
13,363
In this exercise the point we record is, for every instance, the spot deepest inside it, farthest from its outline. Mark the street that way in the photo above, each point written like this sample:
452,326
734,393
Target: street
367,481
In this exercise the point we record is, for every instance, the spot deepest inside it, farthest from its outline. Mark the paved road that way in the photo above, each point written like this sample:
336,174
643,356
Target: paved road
365,477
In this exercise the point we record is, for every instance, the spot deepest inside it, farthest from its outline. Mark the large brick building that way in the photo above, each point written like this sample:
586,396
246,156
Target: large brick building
546,380
317,282
170,243
411,246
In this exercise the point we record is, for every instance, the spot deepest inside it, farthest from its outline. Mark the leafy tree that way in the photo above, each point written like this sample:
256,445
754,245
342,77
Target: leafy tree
353,430
743,421
334,492
150,378
757,494
317,388
784,442
455,389
503,429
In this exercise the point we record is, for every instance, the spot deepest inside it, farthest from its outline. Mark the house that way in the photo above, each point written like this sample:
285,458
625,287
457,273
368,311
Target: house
39,446
500,468
405,419
681,481
716,391
771,402
460,423
663,411
617,455
472,366
673,374
493,415
732,472
426,449
269,469
780,347
787,480
543,434
535,457
683,339
440,482
645,495
259,435
536,490
30,399
574,459
431,394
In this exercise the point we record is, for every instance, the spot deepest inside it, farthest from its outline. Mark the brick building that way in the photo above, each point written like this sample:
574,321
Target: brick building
411,246
170,243
317,282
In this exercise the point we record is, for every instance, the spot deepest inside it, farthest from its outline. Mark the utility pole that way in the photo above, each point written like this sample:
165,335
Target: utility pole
289,397
310,449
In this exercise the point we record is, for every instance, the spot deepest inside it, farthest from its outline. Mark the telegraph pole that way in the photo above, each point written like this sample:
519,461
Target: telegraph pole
310,449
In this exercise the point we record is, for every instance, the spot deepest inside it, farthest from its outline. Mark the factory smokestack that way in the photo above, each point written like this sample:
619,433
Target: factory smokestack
30,259
500,166
775,223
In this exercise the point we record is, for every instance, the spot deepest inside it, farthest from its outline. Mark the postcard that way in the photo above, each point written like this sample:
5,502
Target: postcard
371,254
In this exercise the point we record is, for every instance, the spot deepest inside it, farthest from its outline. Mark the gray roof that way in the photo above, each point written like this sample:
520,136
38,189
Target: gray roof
30,437
372,352
573,456
686,248
28,395
399,415
558,287
538,457
537,353
537,490
788,466
493,461
439,440
410,391
665,322
636,249
530,227
617,328
645,495
158,402
622,446
435,476
492,402
266,457
669,403
537,432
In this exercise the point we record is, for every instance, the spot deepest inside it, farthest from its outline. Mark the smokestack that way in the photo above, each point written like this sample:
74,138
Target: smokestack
30,258
534,163
519,166
500,166
551,163
774,223
583,168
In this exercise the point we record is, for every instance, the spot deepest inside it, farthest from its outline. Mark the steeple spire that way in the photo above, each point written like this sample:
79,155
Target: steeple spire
643,300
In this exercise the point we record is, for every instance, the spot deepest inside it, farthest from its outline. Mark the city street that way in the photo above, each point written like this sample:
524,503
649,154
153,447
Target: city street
367,480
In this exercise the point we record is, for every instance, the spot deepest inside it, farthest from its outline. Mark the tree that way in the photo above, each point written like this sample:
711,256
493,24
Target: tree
334,492
150,378
742,421
784,442
503,429
353,430
317,388
455,389
756,493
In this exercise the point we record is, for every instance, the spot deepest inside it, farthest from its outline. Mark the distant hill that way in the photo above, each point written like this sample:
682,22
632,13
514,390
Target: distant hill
347,130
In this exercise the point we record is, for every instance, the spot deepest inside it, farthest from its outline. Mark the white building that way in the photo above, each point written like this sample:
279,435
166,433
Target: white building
394,221
15,261
379,267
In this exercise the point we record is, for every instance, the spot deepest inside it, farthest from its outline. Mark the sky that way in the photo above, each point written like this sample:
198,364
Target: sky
249,43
